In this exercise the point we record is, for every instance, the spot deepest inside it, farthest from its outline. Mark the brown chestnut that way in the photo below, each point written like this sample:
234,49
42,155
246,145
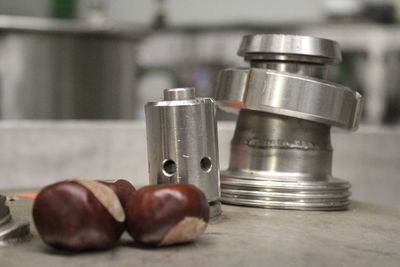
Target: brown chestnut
166,214
121,187
78,215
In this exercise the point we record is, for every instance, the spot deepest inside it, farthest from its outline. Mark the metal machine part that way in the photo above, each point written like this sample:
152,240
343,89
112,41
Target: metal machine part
281,153
182,142
63,69
11,231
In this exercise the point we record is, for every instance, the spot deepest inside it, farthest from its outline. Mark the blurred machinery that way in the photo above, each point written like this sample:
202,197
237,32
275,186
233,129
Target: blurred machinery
59,69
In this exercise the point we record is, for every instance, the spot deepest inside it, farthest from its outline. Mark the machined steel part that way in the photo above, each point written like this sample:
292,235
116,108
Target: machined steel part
281,153
11,231
182,142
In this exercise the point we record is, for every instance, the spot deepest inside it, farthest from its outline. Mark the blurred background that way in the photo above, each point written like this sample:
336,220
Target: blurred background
101,59
75,74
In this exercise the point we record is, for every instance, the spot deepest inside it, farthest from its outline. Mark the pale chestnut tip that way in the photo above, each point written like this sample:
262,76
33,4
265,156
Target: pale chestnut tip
188,229
121,187
105,196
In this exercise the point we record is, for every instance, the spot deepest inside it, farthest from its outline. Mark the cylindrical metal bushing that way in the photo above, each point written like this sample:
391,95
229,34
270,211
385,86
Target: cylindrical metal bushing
182,143
281,153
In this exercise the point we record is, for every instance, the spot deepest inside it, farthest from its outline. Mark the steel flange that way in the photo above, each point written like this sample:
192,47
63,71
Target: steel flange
289,94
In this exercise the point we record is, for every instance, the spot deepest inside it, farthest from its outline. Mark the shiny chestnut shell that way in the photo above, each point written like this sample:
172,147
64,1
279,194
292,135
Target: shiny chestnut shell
121,187
69,215
166,214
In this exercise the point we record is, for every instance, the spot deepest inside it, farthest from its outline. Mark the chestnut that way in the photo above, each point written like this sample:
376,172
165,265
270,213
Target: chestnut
78,215
166,214
121,187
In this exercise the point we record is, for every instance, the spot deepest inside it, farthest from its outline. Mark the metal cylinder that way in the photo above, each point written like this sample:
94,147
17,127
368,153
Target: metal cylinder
182,142
268,142
281,154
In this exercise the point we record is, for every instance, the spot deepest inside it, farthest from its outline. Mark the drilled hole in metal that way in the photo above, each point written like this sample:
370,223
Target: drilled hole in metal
169,167
206,164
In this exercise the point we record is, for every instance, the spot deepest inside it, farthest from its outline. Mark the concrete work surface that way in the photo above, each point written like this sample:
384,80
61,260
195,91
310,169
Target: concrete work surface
364,235
37,153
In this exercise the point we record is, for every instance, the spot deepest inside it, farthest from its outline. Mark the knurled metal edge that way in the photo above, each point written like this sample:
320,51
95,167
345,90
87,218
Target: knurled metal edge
289,94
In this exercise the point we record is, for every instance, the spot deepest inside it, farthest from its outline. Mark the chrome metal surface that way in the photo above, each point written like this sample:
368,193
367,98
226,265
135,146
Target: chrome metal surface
11,231
289,94
308,69
281,154
182,142
55,69
282,162
293,48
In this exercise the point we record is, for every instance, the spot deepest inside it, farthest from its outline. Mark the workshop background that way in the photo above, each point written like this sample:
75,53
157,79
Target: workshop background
75,75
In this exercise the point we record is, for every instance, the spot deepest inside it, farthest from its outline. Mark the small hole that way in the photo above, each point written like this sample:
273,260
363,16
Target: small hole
12,198
169,167
205,164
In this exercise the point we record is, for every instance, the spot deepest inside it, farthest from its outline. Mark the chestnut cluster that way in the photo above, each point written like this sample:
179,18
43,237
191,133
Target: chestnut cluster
81,214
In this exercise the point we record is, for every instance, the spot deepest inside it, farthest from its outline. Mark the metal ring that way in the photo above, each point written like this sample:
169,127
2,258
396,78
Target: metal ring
289,94
285,47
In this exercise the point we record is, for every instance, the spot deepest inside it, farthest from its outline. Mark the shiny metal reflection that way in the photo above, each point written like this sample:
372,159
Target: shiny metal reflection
281,153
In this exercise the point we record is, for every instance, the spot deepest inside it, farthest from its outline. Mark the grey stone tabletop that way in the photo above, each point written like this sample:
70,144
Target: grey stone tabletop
364,235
